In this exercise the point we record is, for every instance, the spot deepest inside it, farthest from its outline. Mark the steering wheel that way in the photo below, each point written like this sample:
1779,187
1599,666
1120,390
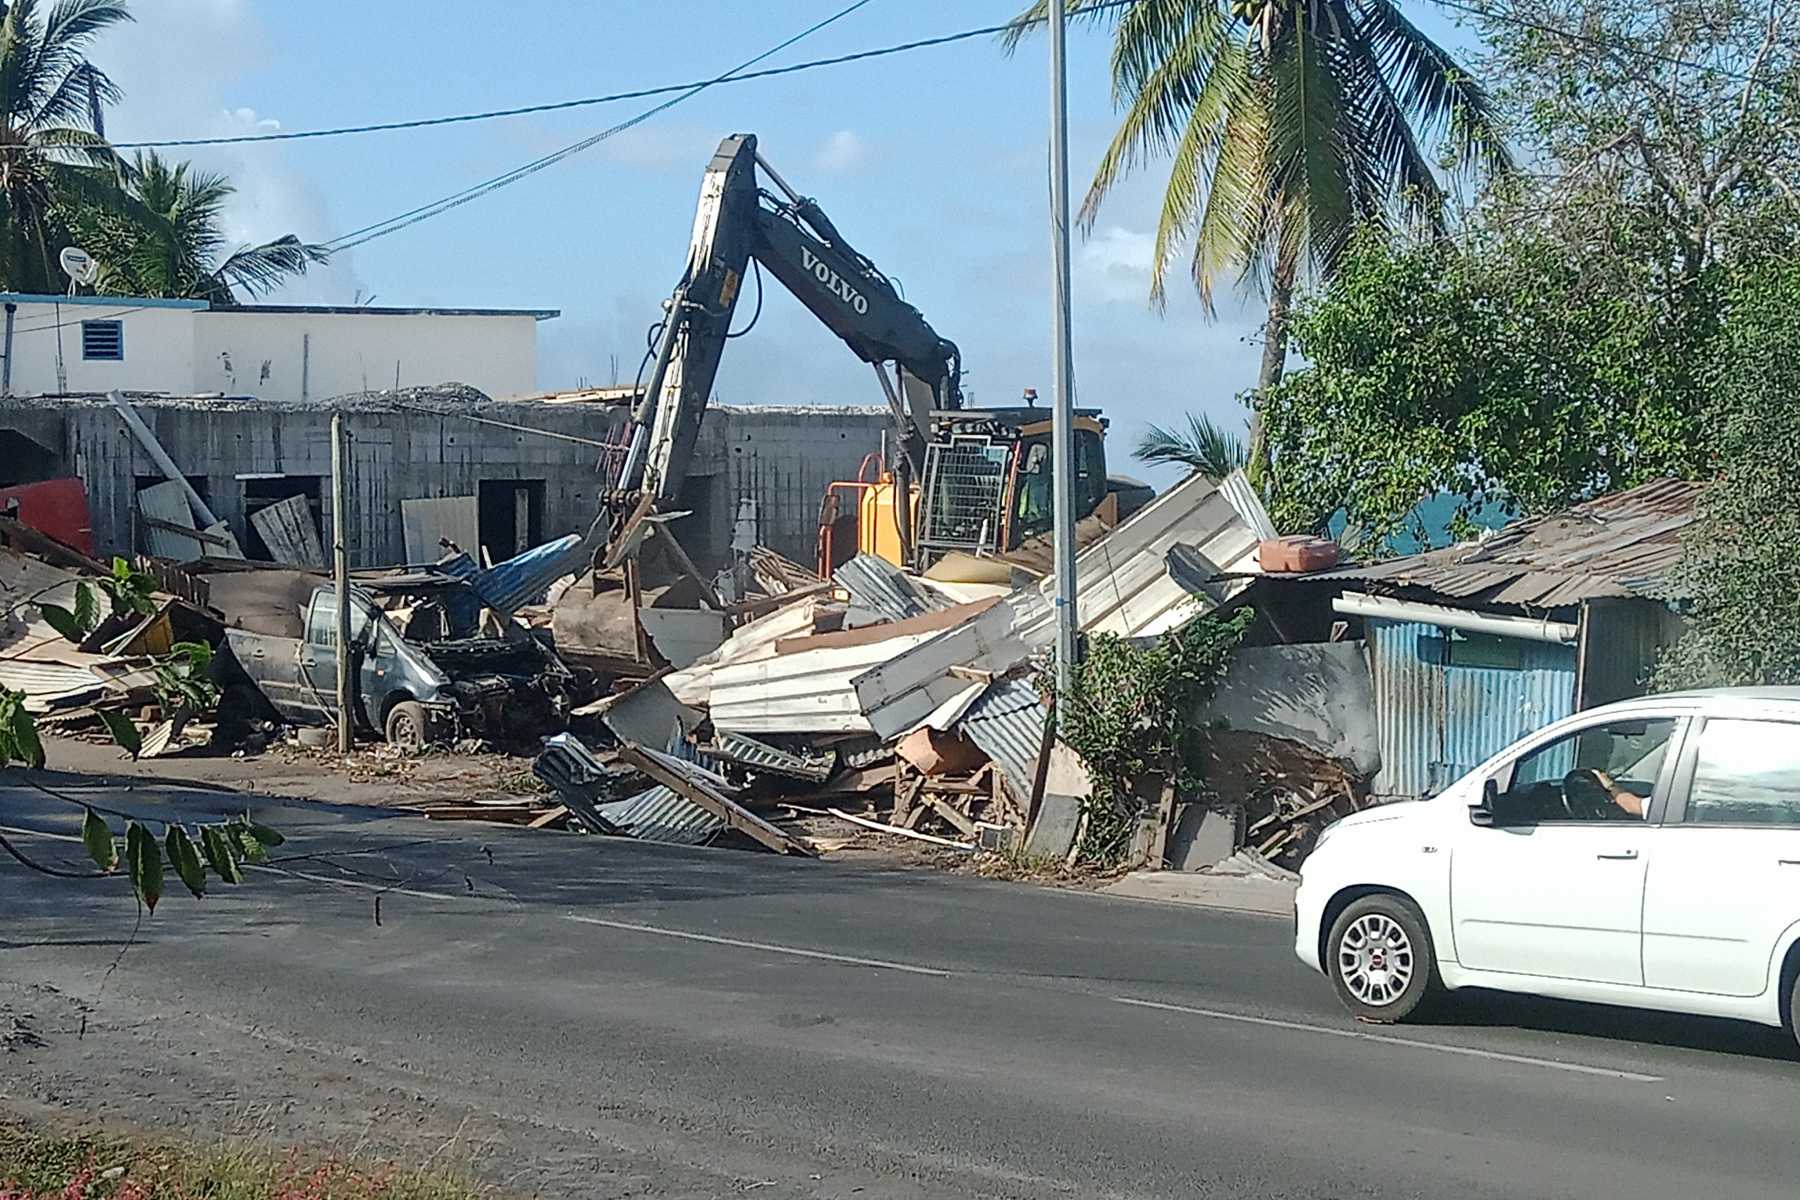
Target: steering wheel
1584,797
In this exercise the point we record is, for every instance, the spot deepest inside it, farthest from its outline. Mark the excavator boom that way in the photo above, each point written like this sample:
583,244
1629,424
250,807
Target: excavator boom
737,223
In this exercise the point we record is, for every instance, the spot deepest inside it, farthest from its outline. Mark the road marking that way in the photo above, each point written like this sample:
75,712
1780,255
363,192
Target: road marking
1390,1039
935,972
766,947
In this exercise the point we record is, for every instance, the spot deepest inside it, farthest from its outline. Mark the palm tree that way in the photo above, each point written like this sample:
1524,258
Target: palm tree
1207,448
165,238
1287,123
52,131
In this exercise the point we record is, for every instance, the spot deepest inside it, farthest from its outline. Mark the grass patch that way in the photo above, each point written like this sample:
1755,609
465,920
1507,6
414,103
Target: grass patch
40,1165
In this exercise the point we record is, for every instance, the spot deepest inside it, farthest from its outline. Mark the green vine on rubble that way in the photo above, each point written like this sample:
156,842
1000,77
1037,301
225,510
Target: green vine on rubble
1131,713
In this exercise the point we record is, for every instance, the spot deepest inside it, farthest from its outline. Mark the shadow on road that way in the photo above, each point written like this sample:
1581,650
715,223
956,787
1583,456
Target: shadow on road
1502,1010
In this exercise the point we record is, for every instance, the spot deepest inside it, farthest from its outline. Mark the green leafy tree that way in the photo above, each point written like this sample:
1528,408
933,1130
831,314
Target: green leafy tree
1671,127
1504,370
52,133
1286,125
1131,711
1739,571
1204,447
165,237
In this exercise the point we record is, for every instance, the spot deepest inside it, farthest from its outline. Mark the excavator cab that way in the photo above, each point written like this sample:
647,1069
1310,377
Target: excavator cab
987,487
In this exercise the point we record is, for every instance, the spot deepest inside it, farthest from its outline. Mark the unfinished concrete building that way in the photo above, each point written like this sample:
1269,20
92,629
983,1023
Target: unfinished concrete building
523,471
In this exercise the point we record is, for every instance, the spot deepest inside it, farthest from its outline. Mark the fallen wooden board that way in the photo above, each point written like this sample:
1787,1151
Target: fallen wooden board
559,813
878,827
943,809
288,531
673,774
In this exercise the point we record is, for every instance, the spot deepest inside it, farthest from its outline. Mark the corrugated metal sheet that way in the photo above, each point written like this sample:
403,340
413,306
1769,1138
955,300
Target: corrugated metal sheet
1624,544
1008,724
812,691
747,643
659,815
1438,718
814,765
167,501
525,578
522,579
897,694
49,684
878,587
655,815
1122,583
1238,492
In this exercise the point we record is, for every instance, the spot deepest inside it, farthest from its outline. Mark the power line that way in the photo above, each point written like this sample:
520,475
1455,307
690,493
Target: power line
369,233
590,101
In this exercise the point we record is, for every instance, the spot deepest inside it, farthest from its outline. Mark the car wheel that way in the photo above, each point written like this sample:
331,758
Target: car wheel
1793,1013
1380,960
407,727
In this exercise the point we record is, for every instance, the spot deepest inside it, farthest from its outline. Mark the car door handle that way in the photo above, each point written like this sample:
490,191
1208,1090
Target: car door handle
1619,854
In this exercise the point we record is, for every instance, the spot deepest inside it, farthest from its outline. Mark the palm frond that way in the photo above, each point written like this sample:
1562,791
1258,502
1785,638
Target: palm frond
1433,88
1188,88
1035,17
260,269
1205,447
1309,153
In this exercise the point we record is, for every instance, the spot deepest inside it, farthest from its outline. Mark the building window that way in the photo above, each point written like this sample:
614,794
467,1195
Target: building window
103,341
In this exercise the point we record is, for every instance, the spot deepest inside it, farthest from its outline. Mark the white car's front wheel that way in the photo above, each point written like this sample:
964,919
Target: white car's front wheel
1379,958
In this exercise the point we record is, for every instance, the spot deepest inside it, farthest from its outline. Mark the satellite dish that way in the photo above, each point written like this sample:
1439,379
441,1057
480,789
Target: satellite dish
78,264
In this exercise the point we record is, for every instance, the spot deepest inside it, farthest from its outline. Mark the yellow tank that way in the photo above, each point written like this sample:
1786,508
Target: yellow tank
877,532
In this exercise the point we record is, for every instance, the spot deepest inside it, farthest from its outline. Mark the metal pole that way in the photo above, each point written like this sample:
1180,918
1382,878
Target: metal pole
1062,416
340,569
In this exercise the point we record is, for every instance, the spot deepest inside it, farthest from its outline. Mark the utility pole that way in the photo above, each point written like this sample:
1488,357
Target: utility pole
340,569
1062,414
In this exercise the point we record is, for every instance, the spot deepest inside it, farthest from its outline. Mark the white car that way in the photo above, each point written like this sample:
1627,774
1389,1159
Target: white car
1646,853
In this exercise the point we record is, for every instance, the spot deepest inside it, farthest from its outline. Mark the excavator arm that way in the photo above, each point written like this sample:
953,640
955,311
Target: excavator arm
737,223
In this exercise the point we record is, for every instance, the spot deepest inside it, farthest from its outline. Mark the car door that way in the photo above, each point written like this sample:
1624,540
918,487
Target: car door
1726,881
1555,886
318,651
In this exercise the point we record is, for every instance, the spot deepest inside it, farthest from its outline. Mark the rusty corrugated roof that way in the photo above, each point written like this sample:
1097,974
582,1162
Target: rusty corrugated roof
1622,544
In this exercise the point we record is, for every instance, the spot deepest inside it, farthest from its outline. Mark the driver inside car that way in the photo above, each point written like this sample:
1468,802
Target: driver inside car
1622,796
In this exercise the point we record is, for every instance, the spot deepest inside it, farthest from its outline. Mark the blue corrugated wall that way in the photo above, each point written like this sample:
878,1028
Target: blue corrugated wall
1437,719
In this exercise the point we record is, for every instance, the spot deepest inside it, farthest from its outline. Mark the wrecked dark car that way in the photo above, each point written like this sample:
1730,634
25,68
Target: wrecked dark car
425,670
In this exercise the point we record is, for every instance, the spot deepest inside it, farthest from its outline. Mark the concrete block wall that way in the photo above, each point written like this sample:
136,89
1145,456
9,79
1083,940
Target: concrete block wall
783,457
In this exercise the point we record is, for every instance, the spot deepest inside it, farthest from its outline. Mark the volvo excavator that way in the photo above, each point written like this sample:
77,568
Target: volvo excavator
955,479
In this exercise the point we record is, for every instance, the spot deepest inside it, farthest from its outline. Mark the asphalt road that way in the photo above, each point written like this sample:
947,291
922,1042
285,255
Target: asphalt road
597,1017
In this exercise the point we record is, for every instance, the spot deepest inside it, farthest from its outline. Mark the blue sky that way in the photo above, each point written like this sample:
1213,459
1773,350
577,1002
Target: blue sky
933,163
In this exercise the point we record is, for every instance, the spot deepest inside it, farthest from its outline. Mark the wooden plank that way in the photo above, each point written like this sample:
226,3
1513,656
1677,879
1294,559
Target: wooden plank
551,817
906,792
943,809
868,634
203,536
878,827
667,771
287,529
427,522
1165,817
676,551
762,604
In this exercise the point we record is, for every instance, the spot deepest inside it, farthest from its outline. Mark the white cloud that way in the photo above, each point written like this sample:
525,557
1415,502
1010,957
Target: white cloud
1114,265
842,152
273,197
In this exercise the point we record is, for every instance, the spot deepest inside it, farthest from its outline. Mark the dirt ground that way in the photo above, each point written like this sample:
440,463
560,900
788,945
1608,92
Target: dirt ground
372,774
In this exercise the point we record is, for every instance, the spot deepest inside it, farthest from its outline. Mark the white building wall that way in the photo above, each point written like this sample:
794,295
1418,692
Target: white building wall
297,355
159,346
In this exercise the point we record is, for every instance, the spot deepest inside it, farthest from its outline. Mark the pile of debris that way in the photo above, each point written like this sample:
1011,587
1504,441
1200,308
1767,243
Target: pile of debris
904,703
111,670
